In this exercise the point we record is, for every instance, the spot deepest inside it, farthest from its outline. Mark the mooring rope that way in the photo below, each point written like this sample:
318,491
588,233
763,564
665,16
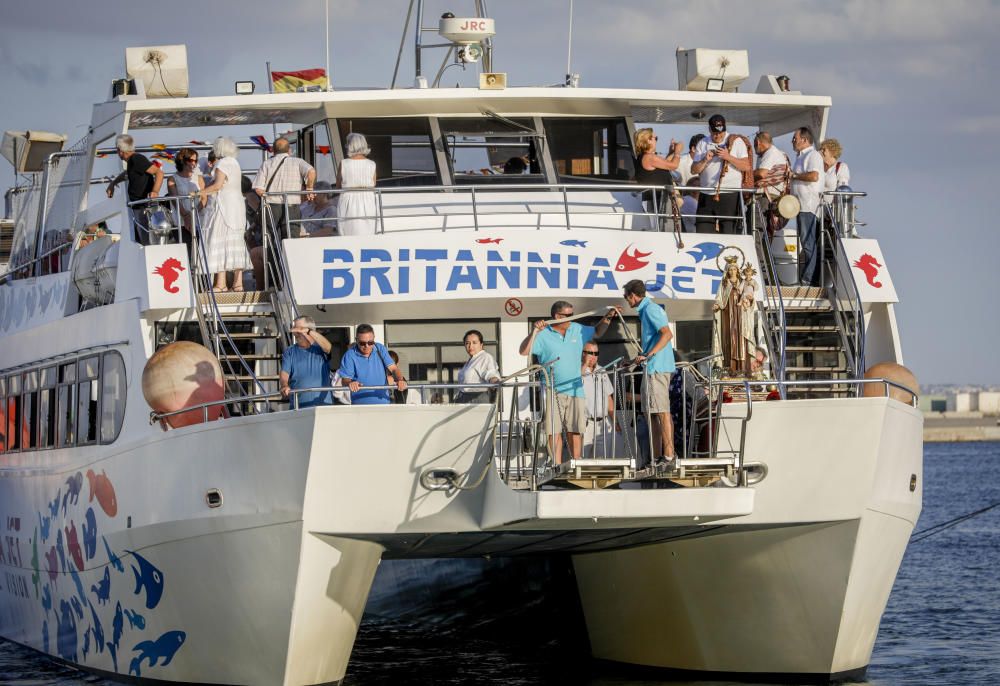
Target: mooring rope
943,526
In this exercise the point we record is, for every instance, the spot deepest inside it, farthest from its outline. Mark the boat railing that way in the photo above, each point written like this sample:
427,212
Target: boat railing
841,204
843,294
772,297
544,206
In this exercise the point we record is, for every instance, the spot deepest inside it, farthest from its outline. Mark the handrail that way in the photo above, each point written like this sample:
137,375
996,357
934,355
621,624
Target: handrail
777,331
841,272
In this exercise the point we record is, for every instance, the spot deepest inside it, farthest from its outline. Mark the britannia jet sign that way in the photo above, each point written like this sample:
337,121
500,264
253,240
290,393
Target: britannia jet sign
436,266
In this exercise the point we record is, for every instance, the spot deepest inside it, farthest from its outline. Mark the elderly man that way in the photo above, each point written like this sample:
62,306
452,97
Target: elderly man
711,155
599,395
658,354
367,363
284,174
807,186
320,214
561,343
144,179
683,171
306,365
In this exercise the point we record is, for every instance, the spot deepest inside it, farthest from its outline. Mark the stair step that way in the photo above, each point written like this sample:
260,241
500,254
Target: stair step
815,368
813,348
246,377
251,335
810,328
259,358
251,314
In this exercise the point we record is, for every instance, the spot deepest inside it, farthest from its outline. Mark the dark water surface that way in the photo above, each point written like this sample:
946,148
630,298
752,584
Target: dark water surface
942,625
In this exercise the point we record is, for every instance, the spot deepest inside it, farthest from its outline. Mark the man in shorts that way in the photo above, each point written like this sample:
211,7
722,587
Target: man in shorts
562,343
658,355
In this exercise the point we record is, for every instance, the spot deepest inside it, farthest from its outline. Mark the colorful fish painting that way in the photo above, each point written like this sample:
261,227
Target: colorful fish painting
573,243
113,559
66,632
45,634
135,620
116,626
629,263
36,576
73,546
46,599
89,528
706,251
149,578
81,594
164,648
101,487
77,607
73,486
45,524
54,506
60,551
86,643
52,564
102,589
485,241
98,630
113,650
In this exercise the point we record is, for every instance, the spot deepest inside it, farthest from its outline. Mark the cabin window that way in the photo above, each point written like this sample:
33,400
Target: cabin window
433,351
402,149
14,431
112,397
47,408
65,407
589,149
694,339
318,152
491,151
29,401
86,395
3,414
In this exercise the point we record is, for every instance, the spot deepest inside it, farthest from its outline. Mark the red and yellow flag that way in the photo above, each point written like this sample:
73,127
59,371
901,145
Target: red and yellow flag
291,81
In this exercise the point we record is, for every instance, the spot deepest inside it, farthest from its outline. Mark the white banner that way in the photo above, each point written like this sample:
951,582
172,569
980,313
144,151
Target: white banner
869,270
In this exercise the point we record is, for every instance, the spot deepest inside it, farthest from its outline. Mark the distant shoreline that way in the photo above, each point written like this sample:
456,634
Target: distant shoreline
968,426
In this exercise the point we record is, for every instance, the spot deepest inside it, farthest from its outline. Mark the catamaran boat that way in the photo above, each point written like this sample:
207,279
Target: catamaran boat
234,538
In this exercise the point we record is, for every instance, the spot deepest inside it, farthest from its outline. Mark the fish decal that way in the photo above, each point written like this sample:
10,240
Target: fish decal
77,607
73,545
73,486
629,263
46,599
52,564
706,251
54,506
86,643
149,577
100,486
573,243
79,585
36,576
44,524
66,632
135,620
869,266
45,634
165,647
89,528
114,654
170,271
59,549
116,627
484,241
113,559
98,631
102,589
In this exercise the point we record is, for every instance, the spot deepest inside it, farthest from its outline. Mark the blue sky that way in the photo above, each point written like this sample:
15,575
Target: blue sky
914,94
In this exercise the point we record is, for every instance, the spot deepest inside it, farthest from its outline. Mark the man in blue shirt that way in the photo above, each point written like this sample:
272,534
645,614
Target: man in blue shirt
306,365
367,363
658,354
562,343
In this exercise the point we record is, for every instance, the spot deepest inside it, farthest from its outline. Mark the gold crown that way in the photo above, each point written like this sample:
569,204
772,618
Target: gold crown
731,259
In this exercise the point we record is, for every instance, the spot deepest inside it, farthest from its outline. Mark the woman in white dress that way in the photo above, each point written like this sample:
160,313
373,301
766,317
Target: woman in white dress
225,219
186,182
356,208
480,368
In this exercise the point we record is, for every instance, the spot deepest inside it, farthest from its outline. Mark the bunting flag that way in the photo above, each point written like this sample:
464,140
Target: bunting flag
158,146
323,149
291,81
261,142
166,155
197,143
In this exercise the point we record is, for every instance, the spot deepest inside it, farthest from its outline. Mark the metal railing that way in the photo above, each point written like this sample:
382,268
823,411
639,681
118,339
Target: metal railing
843,209
774,301
843,295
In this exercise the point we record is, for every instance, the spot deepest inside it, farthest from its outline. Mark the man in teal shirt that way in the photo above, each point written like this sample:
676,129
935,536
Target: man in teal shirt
562,343
658,354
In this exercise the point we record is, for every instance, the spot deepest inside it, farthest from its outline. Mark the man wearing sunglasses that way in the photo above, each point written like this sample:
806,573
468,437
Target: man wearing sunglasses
306,365
367,363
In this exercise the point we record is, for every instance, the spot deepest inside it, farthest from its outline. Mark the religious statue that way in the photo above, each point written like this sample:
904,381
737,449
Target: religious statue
735,308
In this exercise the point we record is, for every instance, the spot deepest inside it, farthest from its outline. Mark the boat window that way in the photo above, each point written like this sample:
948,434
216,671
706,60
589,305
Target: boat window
402,149
112,397
3,415
433,351
65,407
86,394
589,149
47,408
694,338
29,402
14,412
491,151
318,152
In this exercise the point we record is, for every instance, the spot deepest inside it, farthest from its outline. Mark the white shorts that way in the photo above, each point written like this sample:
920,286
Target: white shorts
570,411
656,387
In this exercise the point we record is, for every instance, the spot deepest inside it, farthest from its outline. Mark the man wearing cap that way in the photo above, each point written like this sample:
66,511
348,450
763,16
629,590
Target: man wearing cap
807,186
710,155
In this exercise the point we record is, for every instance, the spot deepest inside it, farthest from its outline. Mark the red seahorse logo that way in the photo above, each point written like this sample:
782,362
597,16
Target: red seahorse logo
170,270
870,266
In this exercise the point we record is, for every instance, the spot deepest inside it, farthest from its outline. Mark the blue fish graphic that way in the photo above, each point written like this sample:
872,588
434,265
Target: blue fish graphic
77,608
114,654
90,534
45,524
54,505
165,647
149,577
116,626
59,549
98,631
46,598
73,486
86,643
66,632
79,584
135,620
113,559
573,243
102,589
45,635
706,251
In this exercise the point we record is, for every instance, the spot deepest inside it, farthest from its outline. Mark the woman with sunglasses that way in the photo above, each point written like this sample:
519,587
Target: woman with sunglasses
186,181
653,170
479,368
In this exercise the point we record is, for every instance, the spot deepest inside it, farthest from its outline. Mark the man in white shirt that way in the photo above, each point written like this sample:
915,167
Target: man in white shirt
683,171
710,156
284,174
807,186
772,165
599,396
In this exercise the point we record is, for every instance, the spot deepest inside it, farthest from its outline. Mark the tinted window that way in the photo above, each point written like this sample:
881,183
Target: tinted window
486,150
402,149
591,149
112,397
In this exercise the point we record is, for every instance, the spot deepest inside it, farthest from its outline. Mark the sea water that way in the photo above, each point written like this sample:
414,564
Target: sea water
942,624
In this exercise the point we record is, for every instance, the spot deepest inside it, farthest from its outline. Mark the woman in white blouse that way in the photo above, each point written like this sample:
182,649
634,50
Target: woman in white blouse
480,368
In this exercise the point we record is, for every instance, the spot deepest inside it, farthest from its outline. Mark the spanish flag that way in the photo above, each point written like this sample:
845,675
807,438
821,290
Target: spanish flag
292,81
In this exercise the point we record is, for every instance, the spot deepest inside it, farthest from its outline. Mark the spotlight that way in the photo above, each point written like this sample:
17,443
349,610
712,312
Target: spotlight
715,85
244,88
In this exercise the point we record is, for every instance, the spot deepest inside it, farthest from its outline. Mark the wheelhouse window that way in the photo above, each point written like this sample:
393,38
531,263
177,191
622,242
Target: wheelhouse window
47,408
433,351
87,392
590,149
65,407
316,140
491,151
14,432
112,396
402,149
